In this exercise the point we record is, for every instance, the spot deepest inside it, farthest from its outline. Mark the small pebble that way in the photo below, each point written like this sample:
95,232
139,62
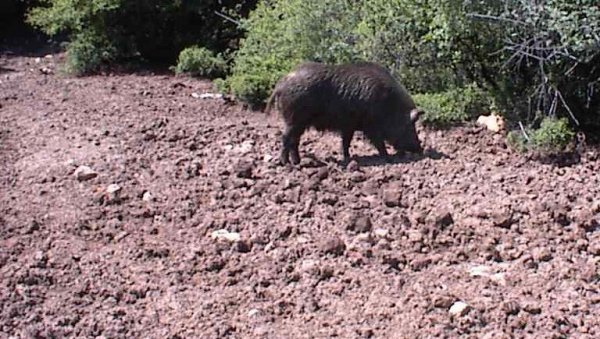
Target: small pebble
83,173
226,235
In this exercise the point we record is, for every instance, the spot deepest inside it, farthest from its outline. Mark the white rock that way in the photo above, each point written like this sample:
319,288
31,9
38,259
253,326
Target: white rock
302,239
499,278
226,235
83,173
480,271
364,237
147,196
381,232
71,162
488,272
492,122
207,95
309,266
245,147
459,308
113,189
46,70
267,158
211,96
415,236
253,312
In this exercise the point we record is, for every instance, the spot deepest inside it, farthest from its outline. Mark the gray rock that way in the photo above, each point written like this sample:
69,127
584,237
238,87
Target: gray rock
83,173
392,197
335,246
359,223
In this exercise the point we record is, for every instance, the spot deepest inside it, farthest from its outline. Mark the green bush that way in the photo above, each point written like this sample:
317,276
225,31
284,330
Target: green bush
452,107
152,30
199,61
430,45
553,135
549,57
280,34
420,42
536,59
88,25
88,50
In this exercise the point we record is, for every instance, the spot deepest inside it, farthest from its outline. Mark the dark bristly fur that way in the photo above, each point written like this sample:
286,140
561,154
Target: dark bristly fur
345,98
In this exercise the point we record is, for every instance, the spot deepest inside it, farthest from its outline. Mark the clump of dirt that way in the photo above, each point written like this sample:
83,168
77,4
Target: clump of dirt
189,228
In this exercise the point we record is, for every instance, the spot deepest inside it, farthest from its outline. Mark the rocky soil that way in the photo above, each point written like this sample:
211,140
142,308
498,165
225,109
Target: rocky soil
131,205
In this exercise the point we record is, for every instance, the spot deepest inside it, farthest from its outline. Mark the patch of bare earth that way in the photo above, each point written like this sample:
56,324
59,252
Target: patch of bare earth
183,225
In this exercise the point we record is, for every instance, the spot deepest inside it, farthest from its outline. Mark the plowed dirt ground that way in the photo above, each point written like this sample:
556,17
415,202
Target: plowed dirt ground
205,236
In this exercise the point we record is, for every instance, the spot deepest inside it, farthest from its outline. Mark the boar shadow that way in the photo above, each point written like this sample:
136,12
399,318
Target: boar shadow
377,160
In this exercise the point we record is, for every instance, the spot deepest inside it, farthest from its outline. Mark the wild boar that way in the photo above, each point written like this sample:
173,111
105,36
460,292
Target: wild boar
345,98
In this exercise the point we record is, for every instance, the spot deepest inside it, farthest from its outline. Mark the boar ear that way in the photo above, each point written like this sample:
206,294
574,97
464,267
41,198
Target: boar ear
415,113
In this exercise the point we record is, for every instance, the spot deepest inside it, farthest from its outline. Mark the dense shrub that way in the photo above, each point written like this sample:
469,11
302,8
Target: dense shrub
451,107
419,41
537,59
280,34
200,61
553,135
154,30
551,55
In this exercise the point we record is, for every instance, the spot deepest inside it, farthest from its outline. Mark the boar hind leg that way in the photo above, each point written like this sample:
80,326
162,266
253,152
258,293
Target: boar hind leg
346,139
290,141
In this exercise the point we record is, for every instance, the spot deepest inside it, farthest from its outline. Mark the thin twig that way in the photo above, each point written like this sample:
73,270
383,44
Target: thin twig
554,104
496,18
567,107
523,131
228,18
570,70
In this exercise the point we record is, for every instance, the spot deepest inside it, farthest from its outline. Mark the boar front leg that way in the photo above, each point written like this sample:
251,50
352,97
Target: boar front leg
346,139
378,141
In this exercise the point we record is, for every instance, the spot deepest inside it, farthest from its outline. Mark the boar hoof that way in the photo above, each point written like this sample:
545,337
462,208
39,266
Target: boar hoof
283,160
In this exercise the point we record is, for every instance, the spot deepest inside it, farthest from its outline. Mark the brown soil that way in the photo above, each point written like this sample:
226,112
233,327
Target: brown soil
469,240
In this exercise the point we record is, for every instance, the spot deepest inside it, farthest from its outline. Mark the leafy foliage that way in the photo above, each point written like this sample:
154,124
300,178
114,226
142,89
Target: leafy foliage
199,61
551,59
553,135
282,34
419,41
537,59
452,107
